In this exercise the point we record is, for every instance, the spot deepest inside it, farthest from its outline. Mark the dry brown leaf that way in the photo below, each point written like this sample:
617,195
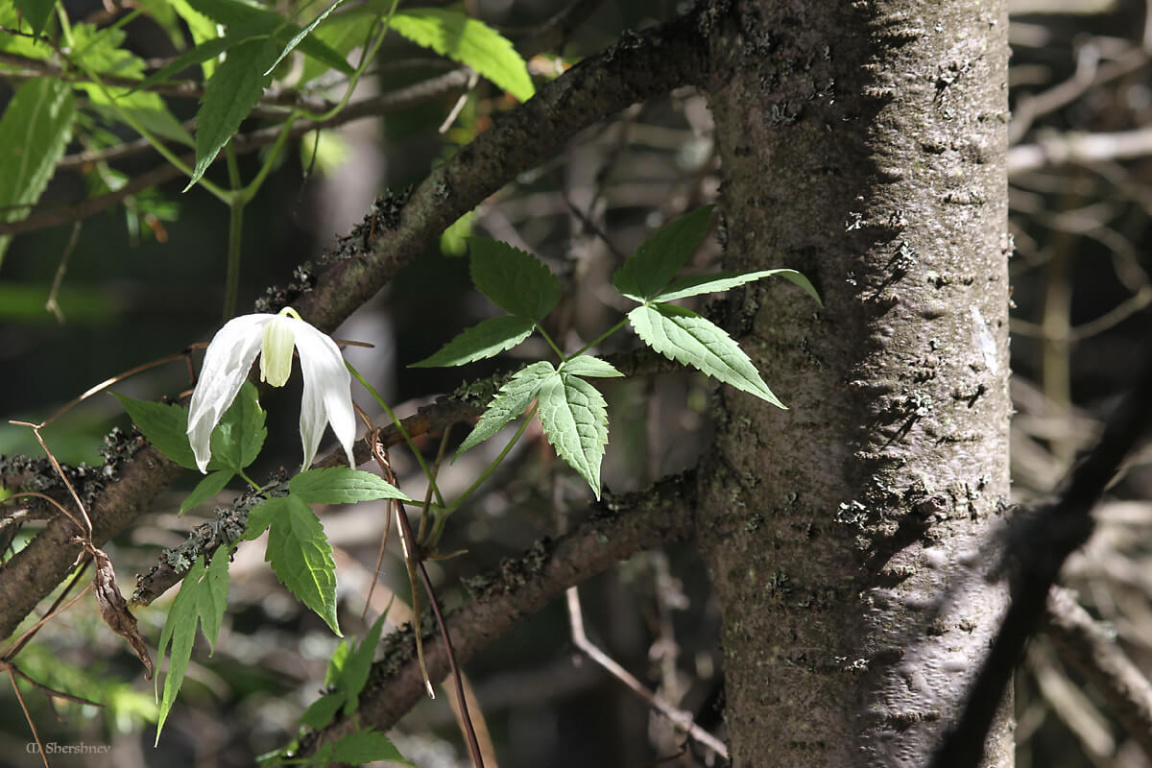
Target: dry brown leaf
115,611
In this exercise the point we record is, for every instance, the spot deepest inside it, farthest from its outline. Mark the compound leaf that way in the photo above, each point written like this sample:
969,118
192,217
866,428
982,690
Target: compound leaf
509,403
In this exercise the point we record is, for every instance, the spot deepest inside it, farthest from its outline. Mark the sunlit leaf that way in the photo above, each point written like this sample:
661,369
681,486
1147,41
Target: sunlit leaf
299,553
508,403
470,42
341,485
34,131
575,419
723,281
682,335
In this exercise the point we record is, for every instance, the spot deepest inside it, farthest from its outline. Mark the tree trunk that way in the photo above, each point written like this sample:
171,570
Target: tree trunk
863,143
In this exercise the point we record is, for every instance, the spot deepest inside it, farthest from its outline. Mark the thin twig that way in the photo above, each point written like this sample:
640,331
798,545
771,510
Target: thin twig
681,720
28,717
51,304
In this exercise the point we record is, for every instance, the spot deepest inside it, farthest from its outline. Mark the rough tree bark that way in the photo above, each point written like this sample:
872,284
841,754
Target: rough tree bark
863,143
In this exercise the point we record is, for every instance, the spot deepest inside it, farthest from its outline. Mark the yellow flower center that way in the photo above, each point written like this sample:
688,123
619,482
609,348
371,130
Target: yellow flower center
276,353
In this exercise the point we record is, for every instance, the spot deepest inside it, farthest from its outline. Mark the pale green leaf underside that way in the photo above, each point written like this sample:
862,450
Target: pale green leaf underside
34,131
487,339
575,418
724,281
469,42
682,335
661,256
509,403
341,485
513,280
590,367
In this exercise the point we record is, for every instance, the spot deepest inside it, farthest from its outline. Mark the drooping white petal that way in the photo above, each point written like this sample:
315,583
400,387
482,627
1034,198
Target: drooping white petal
226,364
276,355
327,392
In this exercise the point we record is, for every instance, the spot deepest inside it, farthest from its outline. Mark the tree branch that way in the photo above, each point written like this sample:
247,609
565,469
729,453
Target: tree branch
1096,655
619,528
1039,544
636,68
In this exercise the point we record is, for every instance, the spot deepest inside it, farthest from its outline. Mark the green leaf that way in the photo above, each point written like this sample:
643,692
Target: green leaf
354,674
321,711
229,96
102,50
588,366
234,13
165,426
201,26
364,746
299,36
238,438
661,256
34,131
203,597
209,49
341,485
336,663
470,42
575,418
513,280
300,555
212,599
509,403
36,13
682,335
488,339
209,486
723,281
261,516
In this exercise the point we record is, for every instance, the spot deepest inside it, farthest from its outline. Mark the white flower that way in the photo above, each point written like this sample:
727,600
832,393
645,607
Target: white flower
327,383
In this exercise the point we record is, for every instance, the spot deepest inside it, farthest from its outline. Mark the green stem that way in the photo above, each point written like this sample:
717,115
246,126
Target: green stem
232,280
255,485
601,337
551,343
443,514
403,432
368,53
253,187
